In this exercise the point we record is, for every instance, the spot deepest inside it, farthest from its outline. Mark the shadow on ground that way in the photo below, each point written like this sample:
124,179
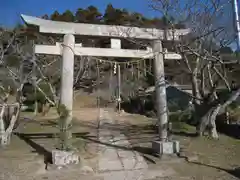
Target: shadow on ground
184,134
30,137
231,130
38,148
234,172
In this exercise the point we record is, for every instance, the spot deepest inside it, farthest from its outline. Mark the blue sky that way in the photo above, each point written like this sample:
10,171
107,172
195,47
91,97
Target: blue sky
10,10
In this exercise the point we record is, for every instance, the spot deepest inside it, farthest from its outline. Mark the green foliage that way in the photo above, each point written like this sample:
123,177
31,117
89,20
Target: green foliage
13,60
62,111
55,16
88,15
181,116
115,16
180,120
233,105
67,16
31,97
111,16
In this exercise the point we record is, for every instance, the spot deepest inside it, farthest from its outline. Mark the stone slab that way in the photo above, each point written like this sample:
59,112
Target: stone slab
105,164
63,158
123,175
133,164
160,147
109,153
126,154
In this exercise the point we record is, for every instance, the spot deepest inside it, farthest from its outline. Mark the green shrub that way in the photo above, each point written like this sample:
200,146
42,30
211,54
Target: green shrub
31,97
180,119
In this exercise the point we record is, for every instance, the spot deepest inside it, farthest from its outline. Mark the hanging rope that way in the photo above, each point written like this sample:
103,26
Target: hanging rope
110,82
98,96
119,88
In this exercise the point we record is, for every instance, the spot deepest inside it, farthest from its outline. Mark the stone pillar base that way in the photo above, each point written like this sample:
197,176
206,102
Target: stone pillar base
63,158
168,148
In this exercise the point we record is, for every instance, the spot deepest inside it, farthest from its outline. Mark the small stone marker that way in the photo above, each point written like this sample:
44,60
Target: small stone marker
160,147
62,158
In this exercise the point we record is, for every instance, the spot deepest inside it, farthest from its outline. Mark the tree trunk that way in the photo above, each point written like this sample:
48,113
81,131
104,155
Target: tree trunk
209,119
214,93
195,89
208,122
196,98
2,124
36,108
6,132
45,108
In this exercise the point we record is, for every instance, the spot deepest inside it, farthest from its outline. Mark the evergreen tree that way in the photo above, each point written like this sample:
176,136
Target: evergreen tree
114,16
67,16
109,14
89,15
55,16
45,17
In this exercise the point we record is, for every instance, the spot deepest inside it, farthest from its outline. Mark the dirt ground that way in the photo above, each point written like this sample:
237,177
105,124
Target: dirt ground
200,158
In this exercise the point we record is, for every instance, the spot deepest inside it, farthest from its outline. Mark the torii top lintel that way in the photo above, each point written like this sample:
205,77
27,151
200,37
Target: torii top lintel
56,27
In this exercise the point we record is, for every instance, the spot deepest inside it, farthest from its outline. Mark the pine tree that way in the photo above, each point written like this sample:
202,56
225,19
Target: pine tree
67,16
55,16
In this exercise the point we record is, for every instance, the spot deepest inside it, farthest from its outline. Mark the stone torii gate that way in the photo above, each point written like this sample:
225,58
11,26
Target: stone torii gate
69,49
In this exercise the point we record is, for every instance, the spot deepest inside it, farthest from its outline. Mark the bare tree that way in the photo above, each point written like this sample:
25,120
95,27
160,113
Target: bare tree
210,30
11,84
19,66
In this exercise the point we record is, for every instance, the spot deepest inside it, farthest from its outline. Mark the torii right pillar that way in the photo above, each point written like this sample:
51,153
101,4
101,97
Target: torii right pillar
163,145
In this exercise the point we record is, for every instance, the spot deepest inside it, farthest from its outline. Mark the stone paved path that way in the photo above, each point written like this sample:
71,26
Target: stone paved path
116,160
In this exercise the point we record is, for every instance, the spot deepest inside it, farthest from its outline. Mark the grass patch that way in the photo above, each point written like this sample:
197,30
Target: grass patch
179,121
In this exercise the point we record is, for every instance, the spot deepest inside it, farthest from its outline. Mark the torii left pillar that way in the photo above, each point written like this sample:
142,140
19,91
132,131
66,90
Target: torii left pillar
63,157
67,74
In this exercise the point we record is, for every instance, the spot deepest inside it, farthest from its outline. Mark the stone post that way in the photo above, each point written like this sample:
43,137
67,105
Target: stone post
67,70
160,90
163,146
65,155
